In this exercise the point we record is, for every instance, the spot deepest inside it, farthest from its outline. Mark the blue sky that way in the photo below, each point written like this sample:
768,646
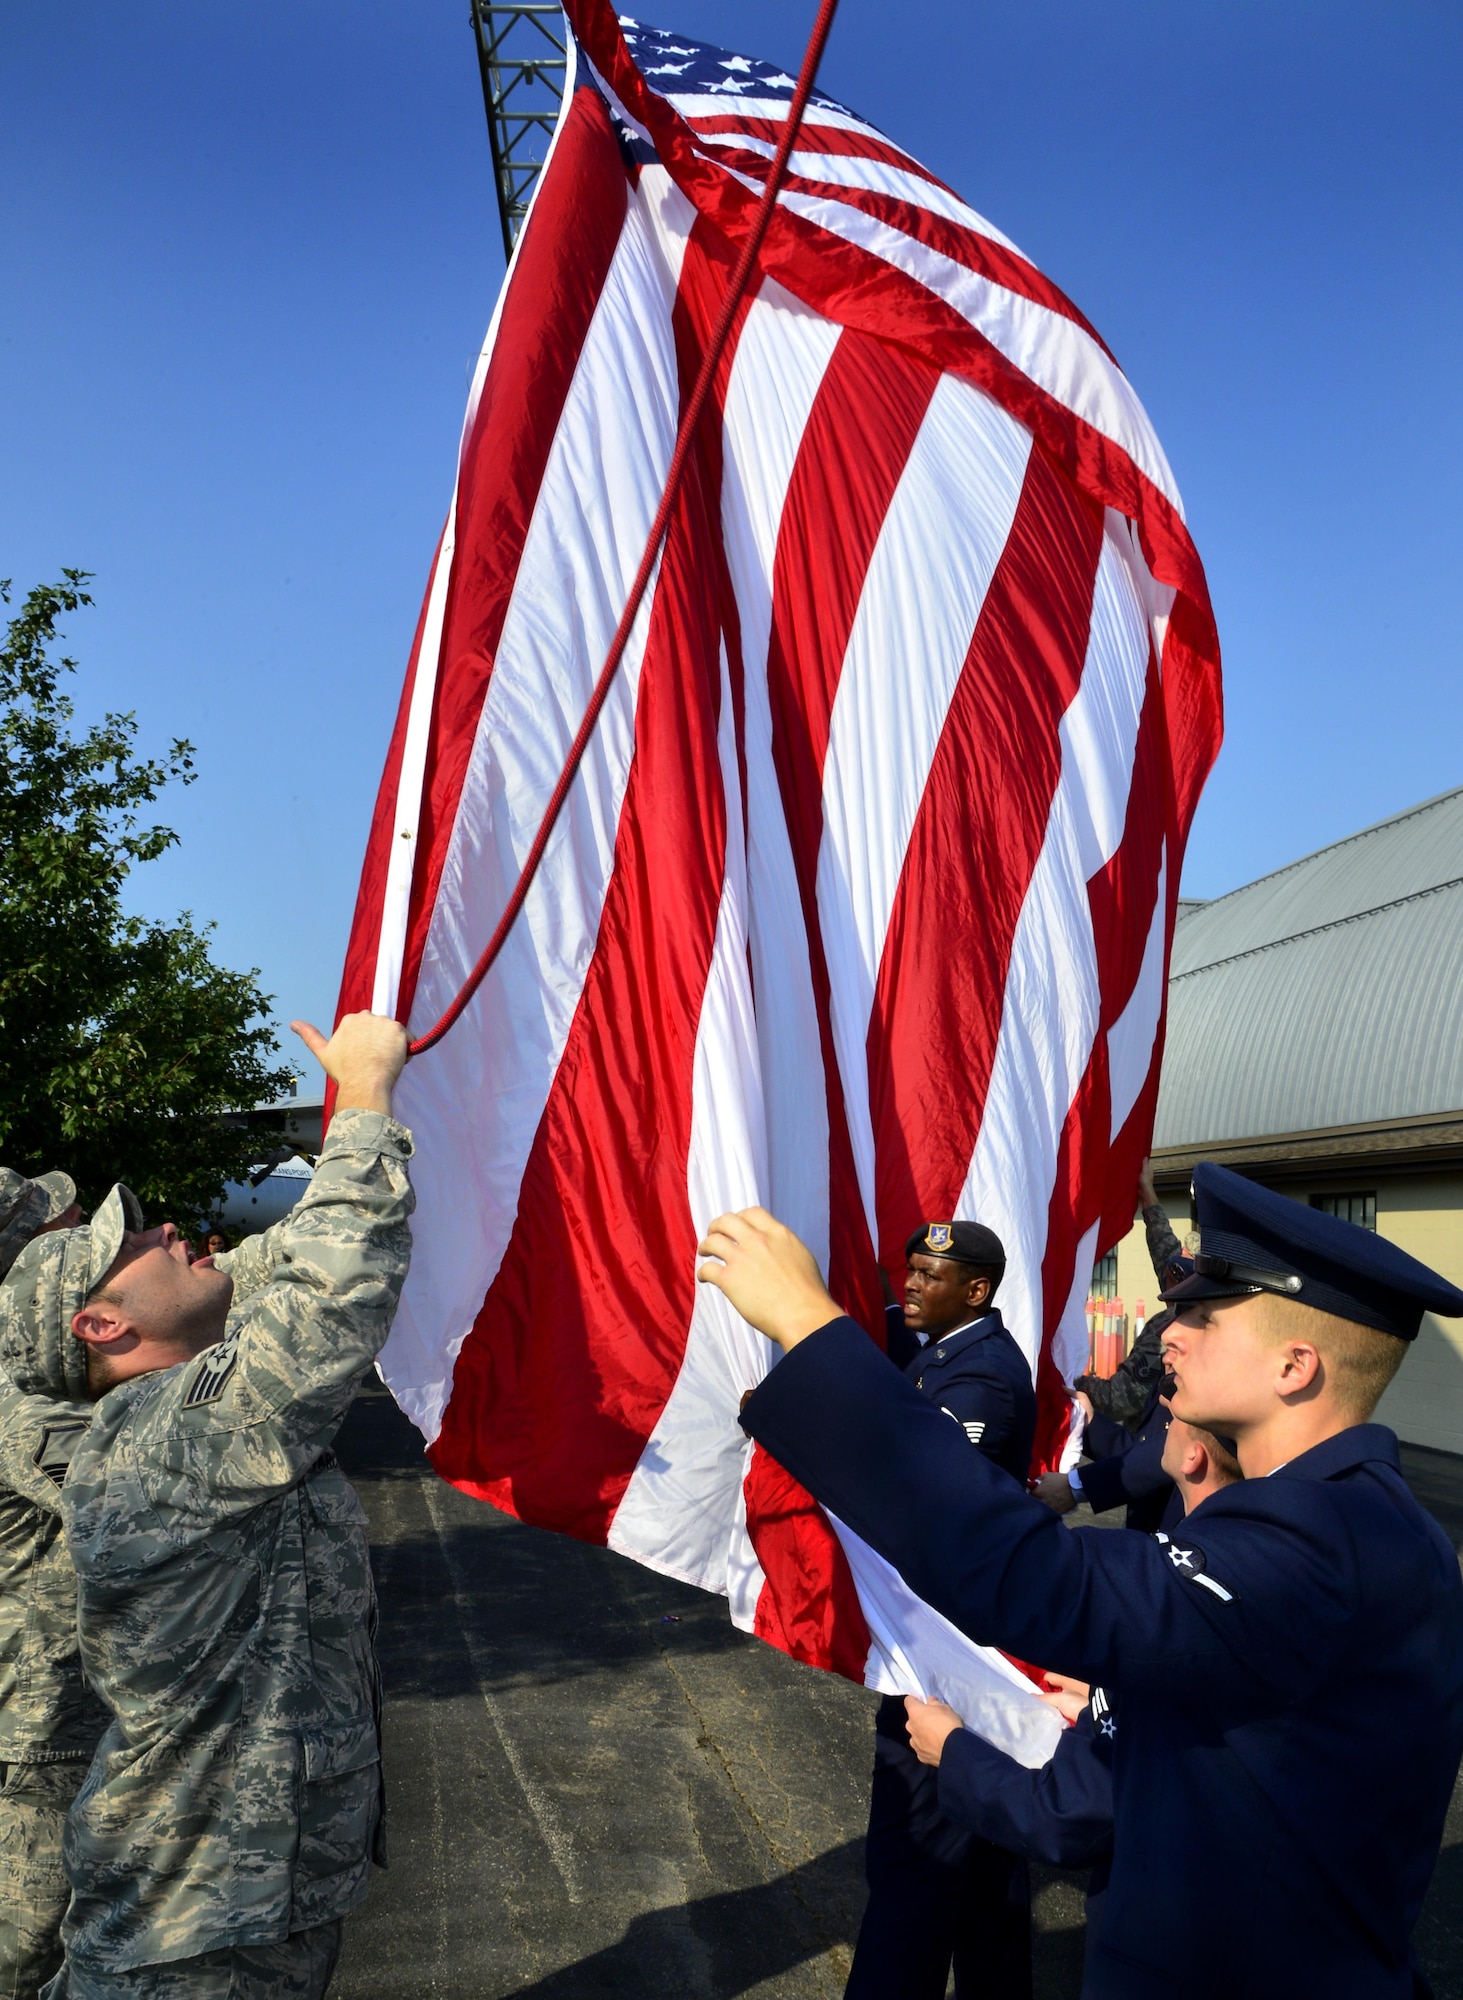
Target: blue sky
249,254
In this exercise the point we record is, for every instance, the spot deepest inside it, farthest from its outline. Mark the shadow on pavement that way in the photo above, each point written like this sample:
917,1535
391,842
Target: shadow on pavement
749,1935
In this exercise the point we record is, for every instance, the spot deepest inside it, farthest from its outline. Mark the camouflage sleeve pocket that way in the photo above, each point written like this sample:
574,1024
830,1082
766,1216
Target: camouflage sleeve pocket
340,1803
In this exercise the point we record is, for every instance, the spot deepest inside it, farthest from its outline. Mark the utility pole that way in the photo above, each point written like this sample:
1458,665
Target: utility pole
521,55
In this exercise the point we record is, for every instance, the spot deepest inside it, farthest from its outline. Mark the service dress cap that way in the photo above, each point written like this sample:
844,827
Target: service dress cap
964,1242
50,1281
26,1206
1254,1240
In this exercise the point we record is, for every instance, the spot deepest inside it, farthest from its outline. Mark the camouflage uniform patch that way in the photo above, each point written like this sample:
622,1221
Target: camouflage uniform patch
227,1610
298,1968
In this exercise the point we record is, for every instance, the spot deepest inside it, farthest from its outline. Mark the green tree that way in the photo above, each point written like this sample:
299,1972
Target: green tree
121,1042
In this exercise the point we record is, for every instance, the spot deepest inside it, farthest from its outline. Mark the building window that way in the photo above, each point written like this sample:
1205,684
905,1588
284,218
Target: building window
1105,1276
1358,1208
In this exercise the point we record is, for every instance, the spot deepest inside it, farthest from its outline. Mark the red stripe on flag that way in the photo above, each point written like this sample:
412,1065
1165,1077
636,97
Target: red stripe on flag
810,1605
1092,1169
937,1009
580,1339
859,434
554,288
957,241
836,141
860,431
358,977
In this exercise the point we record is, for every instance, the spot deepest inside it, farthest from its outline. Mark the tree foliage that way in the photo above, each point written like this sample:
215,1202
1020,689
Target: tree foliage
121,1042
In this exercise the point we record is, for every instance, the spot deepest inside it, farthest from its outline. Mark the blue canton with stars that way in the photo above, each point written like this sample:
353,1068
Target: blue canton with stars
676,66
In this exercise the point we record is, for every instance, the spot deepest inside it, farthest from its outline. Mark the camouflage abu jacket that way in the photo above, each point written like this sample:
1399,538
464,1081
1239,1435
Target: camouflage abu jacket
47,1712
226,1606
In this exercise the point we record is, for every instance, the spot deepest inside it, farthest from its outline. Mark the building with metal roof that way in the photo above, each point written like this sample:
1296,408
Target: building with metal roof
1315,1042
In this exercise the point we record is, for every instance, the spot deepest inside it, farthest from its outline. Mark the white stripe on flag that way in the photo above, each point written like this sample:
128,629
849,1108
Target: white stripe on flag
916,1650
781,358
1130,1038
1051,1006
854,170
947,525
600,490
406,823
1050,349
679,1513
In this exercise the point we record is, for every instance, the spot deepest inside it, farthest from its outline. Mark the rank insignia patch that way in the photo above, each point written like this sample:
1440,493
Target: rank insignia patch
58,1441
1192,1563
212,1374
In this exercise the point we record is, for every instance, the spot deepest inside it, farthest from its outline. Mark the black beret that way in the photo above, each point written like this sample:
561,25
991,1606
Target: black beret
1254,1240
965,1242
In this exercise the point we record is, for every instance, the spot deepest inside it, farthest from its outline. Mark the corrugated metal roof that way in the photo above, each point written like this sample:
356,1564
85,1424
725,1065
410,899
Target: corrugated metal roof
1328,993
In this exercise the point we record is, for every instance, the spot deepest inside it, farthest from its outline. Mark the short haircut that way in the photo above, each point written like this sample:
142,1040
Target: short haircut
1223,1461
1360,1360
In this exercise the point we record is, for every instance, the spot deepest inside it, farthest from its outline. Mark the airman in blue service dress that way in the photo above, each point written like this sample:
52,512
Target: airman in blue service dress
937,1892
1289,1668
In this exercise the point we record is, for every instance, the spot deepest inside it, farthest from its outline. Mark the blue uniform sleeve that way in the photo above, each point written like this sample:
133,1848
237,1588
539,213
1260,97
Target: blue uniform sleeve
1060,1813
1256,1600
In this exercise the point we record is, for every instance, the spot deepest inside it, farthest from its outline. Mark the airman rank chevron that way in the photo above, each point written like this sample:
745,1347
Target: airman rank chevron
213,1372
1192,1563
58,1441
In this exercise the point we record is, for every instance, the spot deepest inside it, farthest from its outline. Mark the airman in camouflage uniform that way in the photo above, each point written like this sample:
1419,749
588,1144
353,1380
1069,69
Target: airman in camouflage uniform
29,1208
49,1722
226,1606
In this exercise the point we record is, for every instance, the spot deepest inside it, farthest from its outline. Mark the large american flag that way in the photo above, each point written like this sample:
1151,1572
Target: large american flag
862,899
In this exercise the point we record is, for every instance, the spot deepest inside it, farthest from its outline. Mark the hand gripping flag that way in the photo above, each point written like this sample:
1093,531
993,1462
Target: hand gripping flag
861,901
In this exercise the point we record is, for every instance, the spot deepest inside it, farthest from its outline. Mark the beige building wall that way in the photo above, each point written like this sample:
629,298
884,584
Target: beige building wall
1420,1213
1423,1214
1135,1272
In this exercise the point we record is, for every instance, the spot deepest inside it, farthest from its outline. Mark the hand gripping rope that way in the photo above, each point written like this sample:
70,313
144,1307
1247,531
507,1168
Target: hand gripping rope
680,458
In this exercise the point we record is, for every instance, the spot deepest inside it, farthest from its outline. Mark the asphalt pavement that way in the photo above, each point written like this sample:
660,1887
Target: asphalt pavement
597,1787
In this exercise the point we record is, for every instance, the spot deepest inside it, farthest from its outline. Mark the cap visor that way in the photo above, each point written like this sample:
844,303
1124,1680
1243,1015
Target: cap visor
60,1192
1199,1287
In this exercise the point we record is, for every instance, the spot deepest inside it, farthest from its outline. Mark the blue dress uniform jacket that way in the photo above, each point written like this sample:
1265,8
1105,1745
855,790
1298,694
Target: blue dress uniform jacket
1289,1670
980,1377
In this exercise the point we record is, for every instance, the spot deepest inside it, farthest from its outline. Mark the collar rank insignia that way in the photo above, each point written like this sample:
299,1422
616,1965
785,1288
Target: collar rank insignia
938,1238
1192,1563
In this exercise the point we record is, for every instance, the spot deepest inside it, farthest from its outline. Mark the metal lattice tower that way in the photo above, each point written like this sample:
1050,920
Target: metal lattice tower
521,54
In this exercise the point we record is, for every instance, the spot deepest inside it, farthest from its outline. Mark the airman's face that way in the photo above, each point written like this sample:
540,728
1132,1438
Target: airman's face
1223,1366
940,1294
158,1286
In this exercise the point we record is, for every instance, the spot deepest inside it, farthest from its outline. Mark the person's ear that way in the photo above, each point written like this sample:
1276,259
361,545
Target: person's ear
98,1325
1196,1462
1301,1368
